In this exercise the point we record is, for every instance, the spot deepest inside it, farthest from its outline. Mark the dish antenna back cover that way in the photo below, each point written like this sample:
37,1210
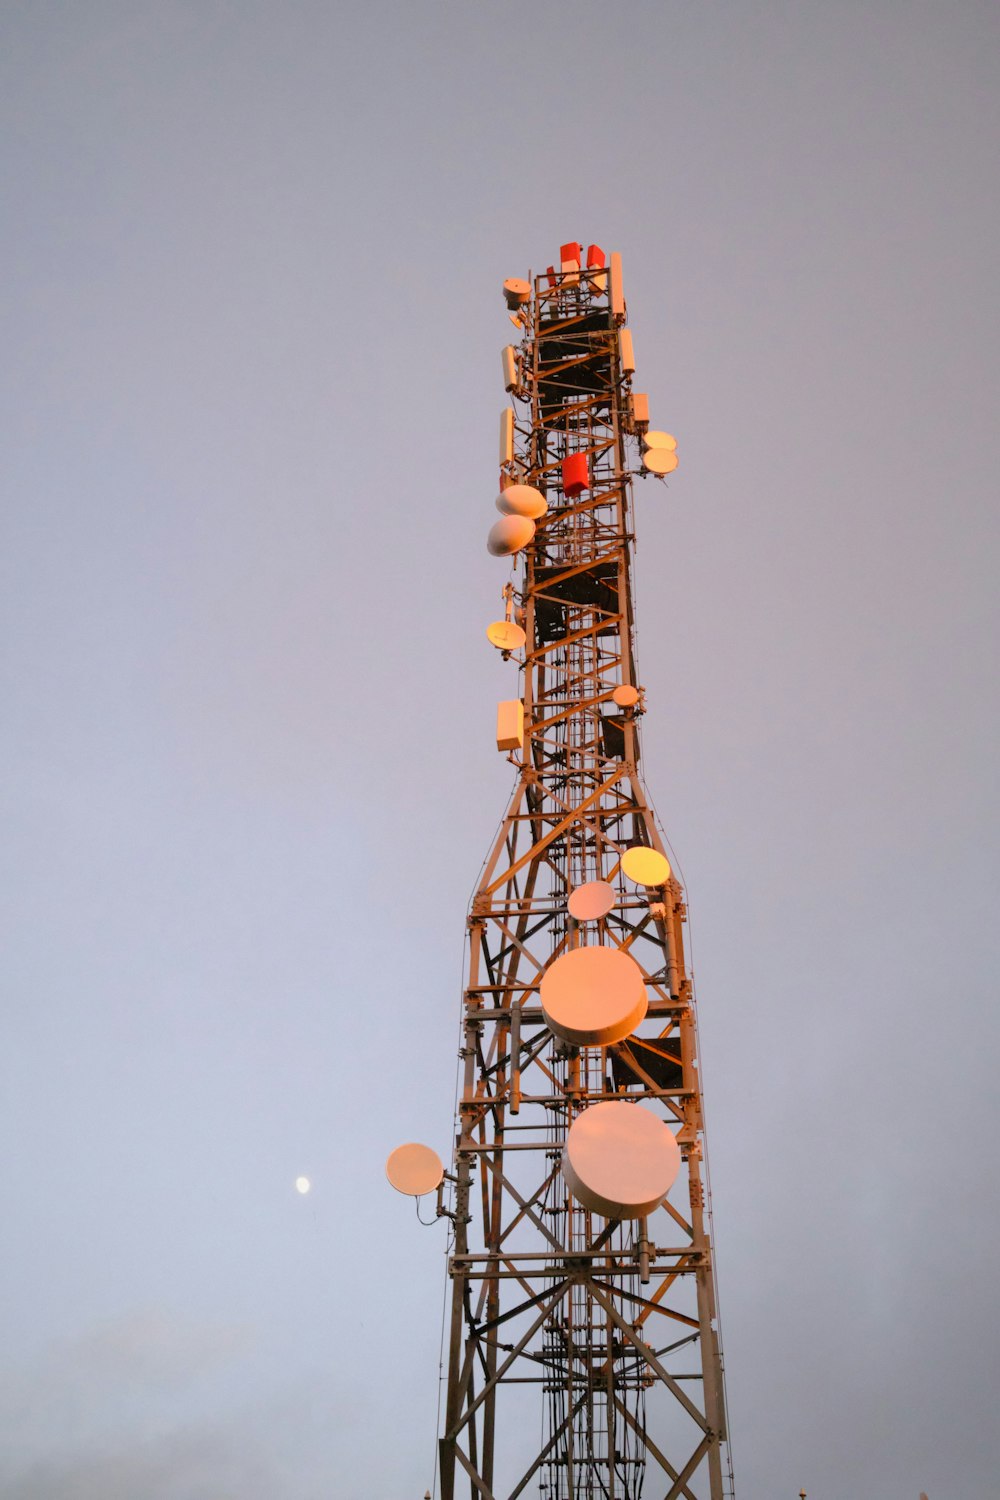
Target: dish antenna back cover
587,903
593,997
659,460
620,1160
414,1169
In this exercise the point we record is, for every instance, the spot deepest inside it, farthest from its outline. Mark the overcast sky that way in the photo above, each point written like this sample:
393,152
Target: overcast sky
251,268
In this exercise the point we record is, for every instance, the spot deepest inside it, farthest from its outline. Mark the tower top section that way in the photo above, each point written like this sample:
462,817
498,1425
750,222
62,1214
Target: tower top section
574,367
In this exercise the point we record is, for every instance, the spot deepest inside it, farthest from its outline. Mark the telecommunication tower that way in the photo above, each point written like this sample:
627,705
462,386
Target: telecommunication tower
583,1350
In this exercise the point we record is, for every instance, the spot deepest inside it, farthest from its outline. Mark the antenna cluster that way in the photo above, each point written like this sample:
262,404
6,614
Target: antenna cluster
574,1278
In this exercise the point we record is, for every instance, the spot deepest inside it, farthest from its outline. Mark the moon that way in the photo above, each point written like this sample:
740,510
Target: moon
302,1184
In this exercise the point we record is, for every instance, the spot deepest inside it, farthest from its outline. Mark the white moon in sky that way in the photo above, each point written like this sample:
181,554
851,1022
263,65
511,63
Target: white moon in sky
302,1184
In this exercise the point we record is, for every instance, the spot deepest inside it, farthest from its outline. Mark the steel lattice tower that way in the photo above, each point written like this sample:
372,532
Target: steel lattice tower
583,1356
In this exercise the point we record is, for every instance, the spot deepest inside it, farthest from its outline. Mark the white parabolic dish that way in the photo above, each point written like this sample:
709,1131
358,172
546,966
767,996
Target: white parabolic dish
656,439
509,534
660,460
414,1169
593,997
589,902
620,1160
522,500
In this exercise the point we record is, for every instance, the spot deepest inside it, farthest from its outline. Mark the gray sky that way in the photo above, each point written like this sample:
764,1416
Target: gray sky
251,321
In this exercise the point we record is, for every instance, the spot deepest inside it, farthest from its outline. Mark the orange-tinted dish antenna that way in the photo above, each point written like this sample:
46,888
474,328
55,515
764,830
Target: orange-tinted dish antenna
505,635
646,866
590,902
414,1169
516,292
593,997
620,1160
625,695
660,460
656,439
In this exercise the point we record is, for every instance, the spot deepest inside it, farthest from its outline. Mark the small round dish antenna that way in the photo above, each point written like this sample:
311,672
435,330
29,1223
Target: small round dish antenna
656,439
625,695
516,292
660,460
590,902
593,997
505,635
620,1160
414,1169
646,866
522,500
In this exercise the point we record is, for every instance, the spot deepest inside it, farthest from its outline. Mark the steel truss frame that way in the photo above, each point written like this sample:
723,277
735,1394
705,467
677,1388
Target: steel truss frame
614,1321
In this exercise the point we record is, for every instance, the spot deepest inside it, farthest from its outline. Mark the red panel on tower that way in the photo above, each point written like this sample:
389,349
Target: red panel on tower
575,475
595,257
570,251
550,275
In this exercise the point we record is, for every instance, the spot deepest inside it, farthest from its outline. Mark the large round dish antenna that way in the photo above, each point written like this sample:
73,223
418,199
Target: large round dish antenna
656,439
620,1160
522,500
505,635
593,997
509,534
414,1169
660,460
646,866
590,902
625,695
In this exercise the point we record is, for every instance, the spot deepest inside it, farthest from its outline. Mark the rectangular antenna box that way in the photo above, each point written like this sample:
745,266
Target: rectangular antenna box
510,724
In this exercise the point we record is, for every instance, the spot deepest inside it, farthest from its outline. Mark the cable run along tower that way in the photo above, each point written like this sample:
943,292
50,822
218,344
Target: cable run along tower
583,1358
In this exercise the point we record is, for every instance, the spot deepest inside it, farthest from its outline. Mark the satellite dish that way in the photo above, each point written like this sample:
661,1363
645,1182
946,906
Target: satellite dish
646,866
505,635
414,1169
509,534
593,997
620,1160
659,440
516,292
625,695
660,461
522,500
591,901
